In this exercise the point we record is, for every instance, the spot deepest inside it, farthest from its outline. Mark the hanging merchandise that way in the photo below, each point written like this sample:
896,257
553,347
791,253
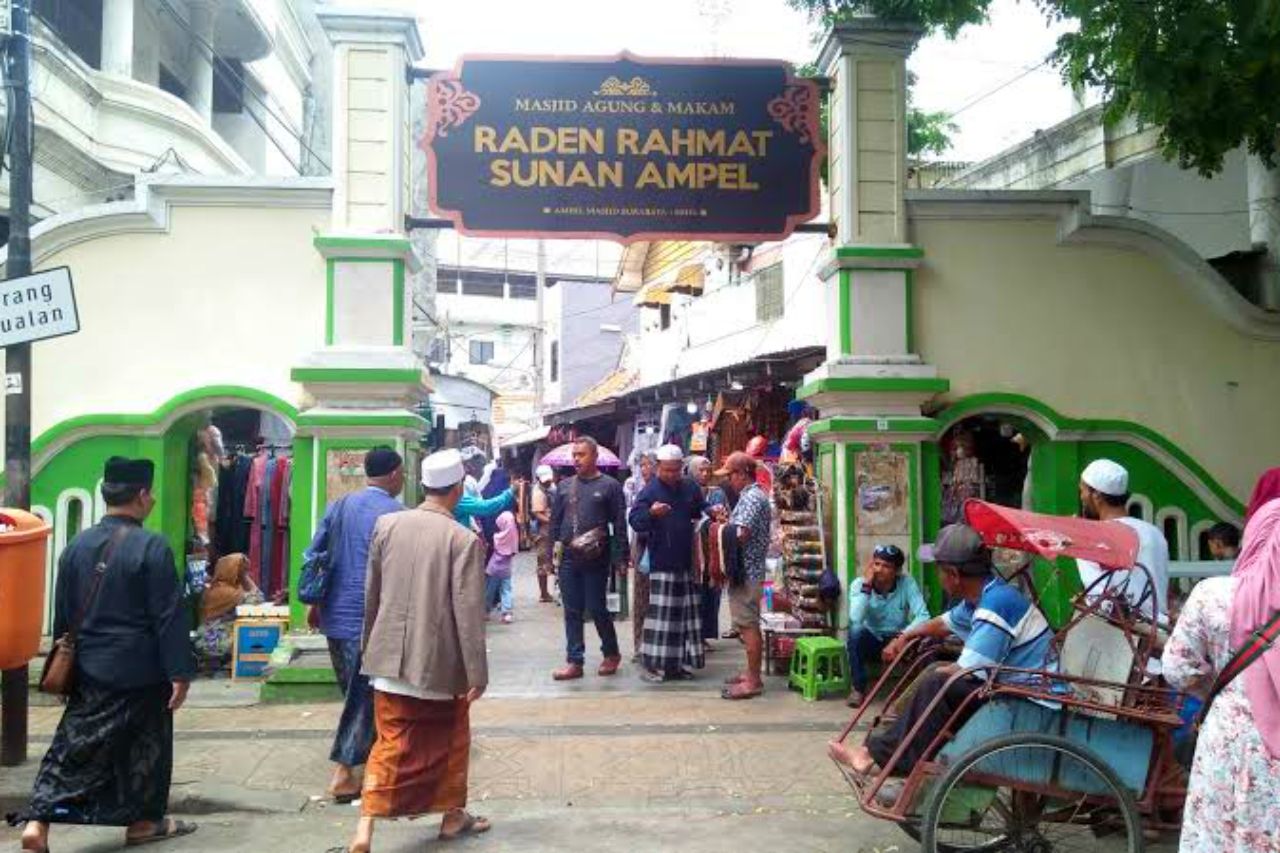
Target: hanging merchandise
698,437
264,507
803,547
231,528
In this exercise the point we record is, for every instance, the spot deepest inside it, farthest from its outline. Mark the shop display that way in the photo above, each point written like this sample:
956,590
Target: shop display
804,555
267,506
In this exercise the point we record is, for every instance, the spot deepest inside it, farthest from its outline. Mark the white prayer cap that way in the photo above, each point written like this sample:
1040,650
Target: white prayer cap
544,473
670,453
1110,478
442,469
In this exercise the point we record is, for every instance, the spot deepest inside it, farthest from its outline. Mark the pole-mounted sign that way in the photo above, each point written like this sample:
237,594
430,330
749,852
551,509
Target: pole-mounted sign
623,148
38,307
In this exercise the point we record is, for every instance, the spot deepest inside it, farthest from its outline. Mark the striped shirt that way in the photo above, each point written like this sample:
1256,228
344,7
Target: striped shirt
1003,629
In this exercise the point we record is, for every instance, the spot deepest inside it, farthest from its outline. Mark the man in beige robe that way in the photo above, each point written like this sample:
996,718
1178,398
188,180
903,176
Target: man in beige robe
424,653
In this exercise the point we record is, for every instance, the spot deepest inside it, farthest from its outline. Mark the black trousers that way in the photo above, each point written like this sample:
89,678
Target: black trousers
882,744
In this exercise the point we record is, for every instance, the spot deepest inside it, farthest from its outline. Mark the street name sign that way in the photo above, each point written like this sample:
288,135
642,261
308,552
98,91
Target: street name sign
38,307
623,148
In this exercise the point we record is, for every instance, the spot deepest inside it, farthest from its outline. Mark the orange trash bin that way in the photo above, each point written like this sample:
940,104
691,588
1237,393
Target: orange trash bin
24,538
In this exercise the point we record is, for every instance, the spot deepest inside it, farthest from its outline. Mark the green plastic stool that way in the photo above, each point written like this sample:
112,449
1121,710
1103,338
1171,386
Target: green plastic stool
819,667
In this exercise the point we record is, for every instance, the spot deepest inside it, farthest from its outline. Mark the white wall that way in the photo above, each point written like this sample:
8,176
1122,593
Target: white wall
231,295
719,329
460,401
1208,214
1094,331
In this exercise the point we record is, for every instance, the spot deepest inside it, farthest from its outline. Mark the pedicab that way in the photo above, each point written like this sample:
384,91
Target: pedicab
1054,760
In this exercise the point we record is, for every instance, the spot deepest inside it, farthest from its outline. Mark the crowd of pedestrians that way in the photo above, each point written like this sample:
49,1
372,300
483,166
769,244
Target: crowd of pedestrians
410,591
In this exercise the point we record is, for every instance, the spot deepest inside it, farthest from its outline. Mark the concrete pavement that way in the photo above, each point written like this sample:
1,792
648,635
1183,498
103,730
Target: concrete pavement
599,764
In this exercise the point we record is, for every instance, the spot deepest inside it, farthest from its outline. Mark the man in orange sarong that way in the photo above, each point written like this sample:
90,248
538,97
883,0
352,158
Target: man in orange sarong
424,653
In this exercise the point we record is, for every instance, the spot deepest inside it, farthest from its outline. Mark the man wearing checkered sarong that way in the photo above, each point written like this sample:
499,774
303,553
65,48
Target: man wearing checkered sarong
665,511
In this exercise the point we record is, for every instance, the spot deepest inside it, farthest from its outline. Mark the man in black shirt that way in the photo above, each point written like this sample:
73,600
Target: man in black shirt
589,520
112,756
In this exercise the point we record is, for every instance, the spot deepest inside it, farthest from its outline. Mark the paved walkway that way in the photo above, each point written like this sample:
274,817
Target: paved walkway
599,765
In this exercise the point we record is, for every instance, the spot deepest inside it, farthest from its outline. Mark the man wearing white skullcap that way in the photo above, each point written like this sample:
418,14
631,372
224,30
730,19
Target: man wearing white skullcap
425,655
665,511
1104,496
670,453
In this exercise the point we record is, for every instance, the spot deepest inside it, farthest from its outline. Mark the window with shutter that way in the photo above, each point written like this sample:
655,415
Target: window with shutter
770,301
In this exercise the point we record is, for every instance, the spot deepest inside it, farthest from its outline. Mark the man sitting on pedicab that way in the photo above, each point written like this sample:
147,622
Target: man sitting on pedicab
998,626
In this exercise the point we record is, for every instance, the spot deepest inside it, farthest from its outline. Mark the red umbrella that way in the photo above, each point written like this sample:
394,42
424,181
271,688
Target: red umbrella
562,457
1110,544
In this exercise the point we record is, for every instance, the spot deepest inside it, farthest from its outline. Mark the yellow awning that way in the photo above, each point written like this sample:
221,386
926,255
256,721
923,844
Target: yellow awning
690,280
653,296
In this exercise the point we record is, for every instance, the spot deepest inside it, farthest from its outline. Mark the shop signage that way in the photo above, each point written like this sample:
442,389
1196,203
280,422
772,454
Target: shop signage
37,307
623,148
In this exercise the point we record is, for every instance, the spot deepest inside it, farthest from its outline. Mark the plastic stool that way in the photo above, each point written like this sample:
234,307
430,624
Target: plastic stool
819,667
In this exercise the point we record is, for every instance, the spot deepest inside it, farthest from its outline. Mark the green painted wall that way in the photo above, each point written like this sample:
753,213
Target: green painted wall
1149,478
931,516
302,522
79,466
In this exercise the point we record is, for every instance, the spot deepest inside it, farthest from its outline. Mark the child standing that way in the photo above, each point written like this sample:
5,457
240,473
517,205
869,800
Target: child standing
497,591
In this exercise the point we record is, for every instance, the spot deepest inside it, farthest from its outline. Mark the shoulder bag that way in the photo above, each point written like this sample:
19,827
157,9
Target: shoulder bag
58,677
1258,644
313,583
586,547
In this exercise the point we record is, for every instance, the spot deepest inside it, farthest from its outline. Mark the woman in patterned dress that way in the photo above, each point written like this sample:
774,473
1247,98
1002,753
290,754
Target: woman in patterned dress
1233,798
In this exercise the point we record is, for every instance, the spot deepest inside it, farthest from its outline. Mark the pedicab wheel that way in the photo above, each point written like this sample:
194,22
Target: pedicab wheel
1031,793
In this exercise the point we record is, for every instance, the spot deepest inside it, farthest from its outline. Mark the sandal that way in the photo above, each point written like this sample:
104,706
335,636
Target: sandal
344,799
471,825
740,691
165,830
651,677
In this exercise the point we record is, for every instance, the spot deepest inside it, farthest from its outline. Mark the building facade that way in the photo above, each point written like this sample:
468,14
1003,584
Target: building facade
207,87
992,343
492,328
1231,219
273,309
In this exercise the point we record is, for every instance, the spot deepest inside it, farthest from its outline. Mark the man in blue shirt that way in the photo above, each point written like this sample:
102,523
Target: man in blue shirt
349,524
882,605
665,512
999,627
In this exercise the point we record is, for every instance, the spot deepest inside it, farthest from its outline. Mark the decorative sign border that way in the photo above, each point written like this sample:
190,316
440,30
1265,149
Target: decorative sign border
450,105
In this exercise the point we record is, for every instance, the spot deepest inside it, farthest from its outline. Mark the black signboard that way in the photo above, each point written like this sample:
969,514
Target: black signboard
623,148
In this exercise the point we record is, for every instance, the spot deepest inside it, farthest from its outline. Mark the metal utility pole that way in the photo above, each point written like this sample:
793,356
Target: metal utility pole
538,339
17,401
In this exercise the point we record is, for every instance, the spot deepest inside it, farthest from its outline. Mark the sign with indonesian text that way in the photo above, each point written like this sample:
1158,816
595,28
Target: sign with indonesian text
623,148
38,307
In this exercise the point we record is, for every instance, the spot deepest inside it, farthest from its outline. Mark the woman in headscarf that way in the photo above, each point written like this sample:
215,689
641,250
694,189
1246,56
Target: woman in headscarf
495,482
699,469
231,587
1267,489
1234,788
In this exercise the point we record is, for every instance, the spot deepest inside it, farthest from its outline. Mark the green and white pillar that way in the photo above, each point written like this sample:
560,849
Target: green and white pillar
363,387
873,442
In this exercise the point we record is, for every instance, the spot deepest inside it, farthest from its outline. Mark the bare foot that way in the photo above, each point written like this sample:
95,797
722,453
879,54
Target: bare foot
36,837
858,760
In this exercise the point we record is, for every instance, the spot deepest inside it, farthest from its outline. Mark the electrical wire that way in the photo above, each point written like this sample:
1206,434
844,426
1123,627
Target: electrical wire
244,87
973,102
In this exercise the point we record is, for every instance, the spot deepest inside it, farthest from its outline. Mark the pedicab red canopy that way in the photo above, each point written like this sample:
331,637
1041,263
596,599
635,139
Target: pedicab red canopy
1110,544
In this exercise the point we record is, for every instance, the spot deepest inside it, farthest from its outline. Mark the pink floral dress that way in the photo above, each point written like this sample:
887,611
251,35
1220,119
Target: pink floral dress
1233,801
